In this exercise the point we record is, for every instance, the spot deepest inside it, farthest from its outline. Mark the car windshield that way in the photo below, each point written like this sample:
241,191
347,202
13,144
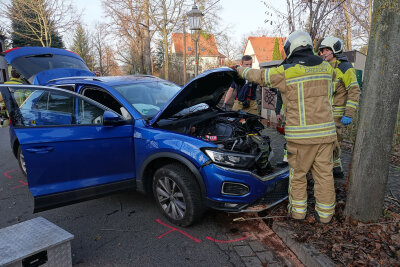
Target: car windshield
148,98
31,65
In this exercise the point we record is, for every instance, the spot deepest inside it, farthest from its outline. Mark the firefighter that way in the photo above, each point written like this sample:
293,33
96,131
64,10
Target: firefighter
246,94
305,82
16,78
346,95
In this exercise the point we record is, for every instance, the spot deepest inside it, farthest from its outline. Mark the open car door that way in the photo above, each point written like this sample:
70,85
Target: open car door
73,148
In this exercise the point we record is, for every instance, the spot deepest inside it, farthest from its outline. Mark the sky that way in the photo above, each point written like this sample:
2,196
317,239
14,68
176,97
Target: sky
242,16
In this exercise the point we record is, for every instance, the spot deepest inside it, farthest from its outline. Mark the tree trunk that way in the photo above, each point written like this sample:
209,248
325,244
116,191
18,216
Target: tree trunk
166,54
348,26
184,51
147,49
378,114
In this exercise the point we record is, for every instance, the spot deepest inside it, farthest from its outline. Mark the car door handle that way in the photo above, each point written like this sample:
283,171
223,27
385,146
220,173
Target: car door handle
39,150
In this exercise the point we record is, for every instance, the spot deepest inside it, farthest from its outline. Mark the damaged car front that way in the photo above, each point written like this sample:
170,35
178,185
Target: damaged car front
237,169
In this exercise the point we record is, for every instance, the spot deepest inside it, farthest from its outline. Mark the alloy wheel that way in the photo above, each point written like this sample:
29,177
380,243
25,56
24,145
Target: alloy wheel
22,162
171,198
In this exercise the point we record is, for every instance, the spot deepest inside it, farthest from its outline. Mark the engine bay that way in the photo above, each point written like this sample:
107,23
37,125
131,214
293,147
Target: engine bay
231,131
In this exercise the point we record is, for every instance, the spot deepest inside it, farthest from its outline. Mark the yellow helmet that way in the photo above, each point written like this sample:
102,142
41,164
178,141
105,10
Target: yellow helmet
296,41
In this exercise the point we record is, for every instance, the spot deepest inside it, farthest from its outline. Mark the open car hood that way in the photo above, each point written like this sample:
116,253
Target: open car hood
208,87
38,65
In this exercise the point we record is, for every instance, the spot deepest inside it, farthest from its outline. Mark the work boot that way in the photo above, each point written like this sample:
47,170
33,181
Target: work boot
321,220
337,173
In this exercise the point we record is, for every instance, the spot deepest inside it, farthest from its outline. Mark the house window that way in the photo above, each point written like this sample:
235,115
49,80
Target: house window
189,49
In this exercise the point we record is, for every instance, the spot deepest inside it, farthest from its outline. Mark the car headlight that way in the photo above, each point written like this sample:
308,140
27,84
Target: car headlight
228,158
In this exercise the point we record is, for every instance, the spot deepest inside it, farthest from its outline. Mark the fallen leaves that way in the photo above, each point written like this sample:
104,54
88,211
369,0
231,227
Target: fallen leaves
348,242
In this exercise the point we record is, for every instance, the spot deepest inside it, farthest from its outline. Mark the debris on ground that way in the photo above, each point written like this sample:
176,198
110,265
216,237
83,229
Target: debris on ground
346,242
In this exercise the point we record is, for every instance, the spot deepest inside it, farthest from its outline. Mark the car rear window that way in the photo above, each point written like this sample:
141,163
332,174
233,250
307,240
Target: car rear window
31,65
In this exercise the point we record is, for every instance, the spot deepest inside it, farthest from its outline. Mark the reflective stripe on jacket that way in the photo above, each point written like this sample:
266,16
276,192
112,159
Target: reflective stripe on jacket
347,90
14,81
307,96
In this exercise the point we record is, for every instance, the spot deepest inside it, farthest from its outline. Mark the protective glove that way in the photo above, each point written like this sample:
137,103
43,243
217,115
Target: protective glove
346,120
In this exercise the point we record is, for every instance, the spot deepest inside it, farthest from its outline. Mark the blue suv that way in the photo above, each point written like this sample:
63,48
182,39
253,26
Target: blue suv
77,136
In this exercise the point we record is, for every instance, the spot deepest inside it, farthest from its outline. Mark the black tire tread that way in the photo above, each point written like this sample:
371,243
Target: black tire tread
187,182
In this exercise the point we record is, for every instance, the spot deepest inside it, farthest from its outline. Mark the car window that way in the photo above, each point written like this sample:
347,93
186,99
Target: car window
106,99
30,65
148,97
56,108
55,102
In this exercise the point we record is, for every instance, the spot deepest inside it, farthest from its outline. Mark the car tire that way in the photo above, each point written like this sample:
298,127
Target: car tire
21,161
177,194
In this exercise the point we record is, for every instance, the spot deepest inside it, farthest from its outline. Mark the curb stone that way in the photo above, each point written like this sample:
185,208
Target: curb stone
306,253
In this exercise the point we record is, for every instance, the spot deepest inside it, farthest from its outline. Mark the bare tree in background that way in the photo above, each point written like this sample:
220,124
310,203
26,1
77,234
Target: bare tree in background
49,15
314,16
165,15
132,23
361,17
104,56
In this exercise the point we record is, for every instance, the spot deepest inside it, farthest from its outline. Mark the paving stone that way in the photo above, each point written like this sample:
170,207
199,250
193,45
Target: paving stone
251,261
244,251
266,256
275,264
257,246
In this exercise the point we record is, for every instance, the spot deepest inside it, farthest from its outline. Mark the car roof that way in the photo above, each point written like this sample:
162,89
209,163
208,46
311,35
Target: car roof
109,80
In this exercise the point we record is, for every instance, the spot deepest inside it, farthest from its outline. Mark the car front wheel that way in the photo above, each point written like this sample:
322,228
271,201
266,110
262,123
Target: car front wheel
21,161
177,194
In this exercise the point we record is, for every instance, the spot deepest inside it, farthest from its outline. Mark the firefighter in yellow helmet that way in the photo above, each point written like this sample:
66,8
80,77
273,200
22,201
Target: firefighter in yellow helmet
346,95
15,79
305,82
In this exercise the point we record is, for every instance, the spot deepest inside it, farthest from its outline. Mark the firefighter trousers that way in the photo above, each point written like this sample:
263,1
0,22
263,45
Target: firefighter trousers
318,158
337,151
252,109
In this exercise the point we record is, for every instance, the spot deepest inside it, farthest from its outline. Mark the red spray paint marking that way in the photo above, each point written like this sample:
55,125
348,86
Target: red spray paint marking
227,241
23,184
175,229
6,174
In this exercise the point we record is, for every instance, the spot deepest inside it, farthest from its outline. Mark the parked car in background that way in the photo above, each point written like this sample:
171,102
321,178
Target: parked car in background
77,136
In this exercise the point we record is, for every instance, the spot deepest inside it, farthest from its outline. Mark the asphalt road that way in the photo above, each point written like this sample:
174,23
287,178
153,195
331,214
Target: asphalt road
124,229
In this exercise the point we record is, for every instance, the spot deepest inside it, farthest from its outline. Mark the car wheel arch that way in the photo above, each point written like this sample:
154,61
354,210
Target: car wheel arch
156,161
15,147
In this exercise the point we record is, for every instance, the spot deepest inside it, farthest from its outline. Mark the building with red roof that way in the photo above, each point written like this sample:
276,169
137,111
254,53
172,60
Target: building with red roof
209,56
262,48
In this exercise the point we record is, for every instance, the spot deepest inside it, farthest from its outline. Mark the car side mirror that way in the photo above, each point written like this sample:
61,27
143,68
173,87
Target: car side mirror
113,119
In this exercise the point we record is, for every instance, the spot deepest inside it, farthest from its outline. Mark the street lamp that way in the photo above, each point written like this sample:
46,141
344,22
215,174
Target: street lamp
194,18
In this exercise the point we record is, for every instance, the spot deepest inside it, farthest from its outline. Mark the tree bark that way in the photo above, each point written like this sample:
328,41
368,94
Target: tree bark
184,51
378,114
348,26
166,55
147,37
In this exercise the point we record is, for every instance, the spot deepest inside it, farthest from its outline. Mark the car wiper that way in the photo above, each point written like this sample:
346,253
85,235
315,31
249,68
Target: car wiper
40,55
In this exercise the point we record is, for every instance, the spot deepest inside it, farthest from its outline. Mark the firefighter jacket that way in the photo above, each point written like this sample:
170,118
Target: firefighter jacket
14,81
347,90
306,94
